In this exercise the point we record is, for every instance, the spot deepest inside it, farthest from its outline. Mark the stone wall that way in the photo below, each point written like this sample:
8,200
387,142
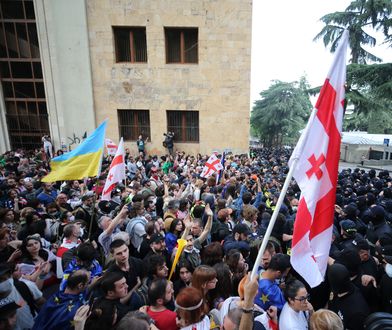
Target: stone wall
218,86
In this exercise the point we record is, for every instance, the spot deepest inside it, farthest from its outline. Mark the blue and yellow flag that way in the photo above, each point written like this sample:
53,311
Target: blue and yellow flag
82,162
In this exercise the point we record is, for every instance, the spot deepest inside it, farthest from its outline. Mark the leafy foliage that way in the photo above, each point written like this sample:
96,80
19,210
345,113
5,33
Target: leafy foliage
369,90
281,113
358,16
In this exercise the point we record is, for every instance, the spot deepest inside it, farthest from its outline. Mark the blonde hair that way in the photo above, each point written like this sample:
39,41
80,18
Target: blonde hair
325,319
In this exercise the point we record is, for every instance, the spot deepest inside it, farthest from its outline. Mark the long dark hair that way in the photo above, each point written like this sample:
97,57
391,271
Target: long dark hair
224,286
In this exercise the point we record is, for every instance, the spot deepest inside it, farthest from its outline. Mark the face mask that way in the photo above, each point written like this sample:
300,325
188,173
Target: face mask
53,214
295,208
6,286
81,233
388,270
71,218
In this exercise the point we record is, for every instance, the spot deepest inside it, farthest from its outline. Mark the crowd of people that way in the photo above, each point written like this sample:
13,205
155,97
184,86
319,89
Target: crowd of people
69,260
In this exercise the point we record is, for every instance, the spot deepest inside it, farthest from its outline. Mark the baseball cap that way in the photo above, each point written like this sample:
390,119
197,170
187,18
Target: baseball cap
156,238
377,212
361,244
348,226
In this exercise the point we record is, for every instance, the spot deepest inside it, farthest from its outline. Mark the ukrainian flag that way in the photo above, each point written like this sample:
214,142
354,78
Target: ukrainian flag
82,162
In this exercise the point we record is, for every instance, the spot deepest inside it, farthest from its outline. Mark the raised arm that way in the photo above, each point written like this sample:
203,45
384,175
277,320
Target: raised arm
188,224
118,220
207,228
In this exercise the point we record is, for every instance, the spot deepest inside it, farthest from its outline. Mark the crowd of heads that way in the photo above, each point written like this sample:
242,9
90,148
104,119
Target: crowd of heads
173,250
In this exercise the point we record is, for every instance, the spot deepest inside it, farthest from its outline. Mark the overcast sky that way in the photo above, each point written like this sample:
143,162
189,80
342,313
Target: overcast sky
282,42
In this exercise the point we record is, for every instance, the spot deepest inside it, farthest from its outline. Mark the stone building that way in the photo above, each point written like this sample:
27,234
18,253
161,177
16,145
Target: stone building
149,66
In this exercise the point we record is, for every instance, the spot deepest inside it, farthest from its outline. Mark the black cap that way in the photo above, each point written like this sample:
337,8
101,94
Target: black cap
156,238
361,244
350,259
348,226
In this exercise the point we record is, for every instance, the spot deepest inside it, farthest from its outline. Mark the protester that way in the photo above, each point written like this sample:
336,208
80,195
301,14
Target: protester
134,238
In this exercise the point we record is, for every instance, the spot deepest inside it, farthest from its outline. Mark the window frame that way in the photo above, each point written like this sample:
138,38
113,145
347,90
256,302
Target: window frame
131,30
181,138
134,128
182,44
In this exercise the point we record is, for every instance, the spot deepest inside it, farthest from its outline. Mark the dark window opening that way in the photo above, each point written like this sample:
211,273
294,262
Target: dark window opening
184,124
131,44
132,123
181,45
21,75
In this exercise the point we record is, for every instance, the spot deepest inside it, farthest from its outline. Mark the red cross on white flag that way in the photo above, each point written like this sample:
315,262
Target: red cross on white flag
116,172
111,147
317,154
213,165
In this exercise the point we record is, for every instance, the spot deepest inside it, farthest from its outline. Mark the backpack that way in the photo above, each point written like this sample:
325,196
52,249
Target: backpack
26,294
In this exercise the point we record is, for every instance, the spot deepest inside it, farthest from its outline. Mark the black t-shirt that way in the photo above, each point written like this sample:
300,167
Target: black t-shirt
122,309
351,308
135,270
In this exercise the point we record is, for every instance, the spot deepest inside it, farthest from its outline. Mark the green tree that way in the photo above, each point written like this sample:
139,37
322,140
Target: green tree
281,113
357,17
370,92
369,87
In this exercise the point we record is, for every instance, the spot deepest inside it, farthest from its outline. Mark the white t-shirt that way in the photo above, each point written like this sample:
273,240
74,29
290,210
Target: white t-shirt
291,320
204,324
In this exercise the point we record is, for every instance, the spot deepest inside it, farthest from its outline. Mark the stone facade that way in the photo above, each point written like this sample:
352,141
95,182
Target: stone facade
218,86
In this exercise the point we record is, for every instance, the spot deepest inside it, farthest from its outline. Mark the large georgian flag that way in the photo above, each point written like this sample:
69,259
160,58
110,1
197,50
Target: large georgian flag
212,165
116,172
316,171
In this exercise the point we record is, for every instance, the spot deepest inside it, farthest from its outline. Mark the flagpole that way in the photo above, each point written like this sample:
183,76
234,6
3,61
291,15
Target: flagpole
273,218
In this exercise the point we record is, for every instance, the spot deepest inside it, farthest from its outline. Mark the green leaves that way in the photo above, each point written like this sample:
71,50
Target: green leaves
281,112
356,18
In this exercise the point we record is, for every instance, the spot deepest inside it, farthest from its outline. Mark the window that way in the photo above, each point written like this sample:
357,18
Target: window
21,75
131,44
181,45
132,123
184,124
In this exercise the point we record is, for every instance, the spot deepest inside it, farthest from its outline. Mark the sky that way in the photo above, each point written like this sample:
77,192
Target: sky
282,42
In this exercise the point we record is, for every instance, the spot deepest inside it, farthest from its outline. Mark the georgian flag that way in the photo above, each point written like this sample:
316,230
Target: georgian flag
116,172
111,147
316,172
213,165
